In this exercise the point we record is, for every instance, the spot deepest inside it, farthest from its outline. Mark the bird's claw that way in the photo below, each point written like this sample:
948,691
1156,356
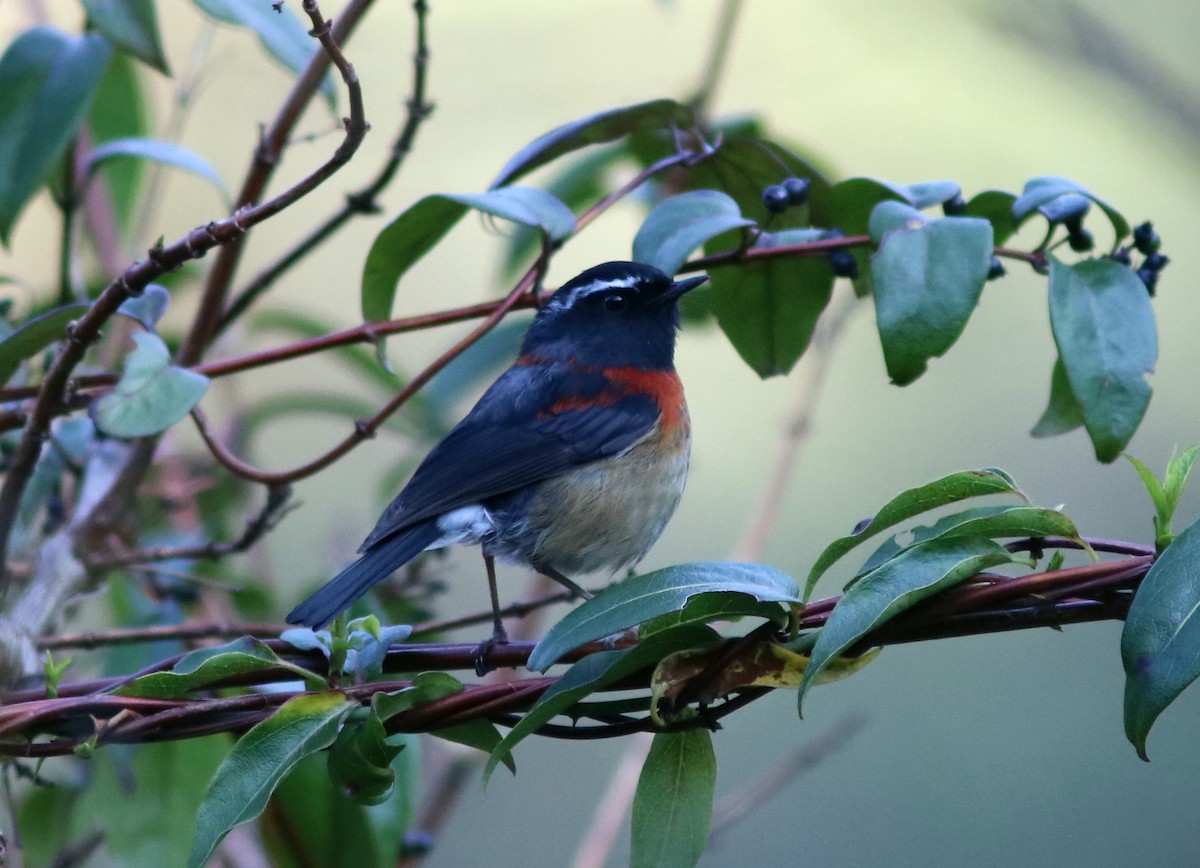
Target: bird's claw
499,637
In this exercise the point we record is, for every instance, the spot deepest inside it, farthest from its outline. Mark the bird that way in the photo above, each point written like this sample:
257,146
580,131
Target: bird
571,462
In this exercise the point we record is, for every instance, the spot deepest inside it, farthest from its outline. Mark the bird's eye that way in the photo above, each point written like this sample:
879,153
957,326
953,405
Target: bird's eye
616,302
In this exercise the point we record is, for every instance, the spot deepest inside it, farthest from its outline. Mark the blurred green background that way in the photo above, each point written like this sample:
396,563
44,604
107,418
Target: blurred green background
1002,750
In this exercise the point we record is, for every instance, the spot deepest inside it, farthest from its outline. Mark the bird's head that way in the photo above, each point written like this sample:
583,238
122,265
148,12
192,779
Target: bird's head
615,314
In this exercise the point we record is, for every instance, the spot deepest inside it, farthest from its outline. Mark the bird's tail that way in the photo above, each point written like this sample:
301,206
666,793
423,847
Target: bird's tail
375,565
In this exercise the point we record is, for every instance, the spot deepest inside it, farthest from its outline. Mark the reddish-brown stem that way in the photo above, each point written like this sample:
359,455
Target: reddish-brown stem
361,201
267,156
134,279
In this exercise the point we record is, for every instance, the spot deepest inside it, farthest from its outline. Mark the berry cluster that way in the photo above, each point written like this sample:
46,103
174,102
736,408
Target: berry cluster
1147,242
777,198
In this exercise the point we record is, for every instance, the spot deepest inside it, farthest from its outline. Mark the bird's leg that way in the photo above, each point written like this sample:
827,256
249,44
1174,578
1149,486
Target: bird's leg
575,589
499,634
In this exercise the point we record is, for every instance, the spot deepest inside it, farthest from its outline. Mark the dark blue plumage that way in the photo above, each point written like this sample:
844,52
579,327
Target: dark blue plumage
572,461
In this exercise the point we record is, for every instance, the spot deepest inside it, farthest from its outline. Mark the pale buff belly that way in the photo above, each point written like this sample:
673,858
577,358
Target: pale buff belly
606,515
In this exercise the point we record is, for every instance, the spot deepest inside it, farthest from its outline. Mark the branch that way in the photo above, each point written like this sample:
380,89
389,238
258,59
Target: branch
988,604
86,330
267,157
360,202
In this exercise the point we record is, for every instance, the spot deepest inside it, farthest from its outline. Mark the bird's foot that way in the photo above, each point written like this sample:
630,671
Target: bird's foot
498,637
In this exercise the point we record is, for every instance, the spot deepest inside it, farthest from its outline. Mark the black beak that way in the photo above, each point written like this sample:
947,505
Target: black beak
680,287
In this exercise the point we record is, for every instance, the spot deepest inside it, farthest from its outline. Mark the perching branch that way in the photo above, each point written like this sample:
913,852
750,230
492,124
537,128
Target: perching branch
985,604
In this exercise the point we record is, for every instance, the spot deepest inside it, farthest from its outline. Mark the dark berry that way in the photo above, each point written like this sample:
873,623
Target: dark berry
843,264
1149,278
416,844
1121,255
996,269
797,190
955,207
775,199
1155,262
1145,239
1081,240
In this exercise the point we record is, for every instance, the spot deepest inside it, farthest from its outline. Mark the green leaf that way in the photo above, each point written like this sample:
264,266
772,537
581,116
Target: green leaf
1064,412
212,666
1104,328
941,492
35,335
426,687
994,206
891,216
360,761
1160,644
315,824
987,522
242,784
580,183
1153,487
1043,190
147,307
678,225
119,111
640,598
594,129
47,80
768,308
152,394
480,734
745,163
1178,470
597,671
927,281
926,193
672,807
279,31
851,204
165,153
414,233
897,585
131,25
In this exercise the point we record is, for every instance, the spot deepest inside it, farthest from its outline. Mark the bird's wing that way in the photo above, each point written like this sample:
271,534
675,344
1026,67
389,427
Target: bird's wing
535,422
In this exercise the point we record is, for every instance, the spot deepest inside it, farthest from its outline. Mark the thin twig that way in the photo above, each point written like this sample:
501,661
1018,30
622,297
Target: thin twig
86,330
362,201
268,155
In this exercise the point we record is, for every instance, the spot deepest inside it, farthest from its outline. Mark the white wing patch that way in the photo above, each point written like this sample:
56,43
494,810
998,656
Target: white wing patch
467,524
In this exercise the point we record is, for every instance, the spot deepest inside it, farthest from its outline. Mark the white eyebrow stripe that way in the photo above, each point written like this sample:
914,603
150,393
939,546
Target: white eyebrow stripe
595,286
